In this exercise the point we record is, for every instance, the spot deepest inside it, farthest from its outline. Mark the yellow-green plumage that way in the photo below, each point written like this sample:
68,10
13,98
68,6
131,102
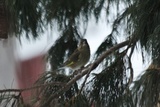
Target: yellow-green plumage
79,57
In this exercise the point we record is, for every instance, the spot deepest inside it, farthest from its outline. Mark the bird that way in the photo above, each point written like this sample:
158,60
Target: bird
79,57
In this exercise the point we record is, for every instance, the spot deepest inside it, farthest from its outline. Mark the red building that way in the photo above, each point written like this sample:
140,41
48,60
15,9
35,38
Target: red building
29,71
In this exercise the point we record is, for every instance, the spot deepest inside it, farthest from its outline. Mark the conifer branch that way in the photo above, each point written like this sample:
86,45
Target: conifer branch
31,88
85,71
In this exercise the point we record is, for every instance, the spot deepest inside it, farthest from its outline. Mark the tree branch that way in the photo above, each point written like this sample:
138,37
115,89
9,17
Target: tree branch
31,88
86,70
83,84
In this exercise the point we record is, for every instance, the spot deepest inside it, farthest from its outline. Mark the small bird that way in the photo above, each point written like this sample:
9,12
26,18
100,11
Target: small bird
79,57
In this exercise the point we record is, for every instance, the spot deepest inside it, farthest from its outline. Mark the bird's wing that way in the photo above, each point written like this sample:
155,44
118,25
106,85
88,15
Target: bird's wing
73,58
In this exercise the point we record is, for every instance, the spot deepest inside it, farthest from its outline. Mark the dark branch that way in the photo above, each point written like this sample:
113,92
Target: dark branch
83,84
31,88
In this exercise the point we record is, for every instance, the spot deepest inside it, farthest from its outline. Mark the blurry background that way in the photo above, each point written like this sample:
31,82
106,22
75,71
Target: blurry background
29,49
33,33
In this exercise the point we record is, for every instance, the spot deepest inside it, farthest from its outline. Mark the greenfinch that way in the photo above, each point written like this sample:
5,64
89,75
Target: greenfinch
79,57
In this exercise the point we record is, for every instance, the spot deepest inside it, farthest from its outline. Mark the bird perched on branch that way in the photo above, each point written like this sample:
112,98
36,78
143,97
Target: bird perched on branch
79,57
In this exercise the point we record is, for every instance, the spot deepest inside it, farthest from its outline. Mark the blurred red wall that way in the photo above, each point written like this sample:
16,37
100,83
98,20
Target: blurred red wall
28,73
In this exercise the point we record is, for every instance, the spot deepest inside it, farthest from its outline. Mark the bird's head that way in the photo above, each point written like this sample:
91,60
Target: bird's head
83,43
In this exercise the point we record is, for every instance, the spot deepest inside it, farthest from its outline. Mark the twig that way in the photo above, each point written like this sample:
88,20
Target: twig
89,69
131,72
83,84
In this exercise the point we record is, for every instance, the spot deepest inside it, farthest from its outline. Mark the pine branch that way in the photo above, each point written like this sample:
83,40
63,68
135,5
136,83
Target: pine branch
83,84
86,70
31,88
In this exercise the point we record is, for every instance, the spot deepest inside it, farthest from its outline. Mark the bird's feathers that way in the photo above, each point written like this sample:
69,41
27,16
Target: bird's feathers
79,57
73,58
